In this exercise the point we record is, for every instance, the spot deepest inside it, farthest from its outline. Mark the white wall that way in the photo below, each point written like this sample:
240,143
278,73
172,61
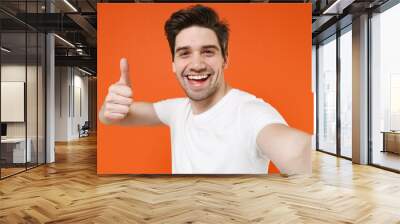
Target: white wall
12,73
80,83
33,127
71,93
61,103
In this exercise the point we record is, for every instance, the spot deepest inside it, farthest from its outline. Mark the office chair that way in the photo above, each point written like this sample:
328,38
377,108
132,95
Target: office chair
84,130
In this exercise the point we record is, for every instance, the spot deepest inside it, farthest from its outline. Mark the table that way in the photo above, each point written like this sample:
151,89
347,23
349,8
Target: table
391,141
13,150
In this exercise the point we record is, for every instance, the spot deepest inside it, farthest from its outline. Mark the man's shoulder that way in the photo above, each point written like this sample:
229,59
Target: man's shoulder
257,113
168,108
243,98
249,102
243,94
173,102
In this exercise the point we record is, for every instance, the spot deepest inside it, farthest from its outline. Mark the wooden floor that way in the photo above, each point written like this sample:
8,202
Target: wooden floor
387,159
69,191
5,172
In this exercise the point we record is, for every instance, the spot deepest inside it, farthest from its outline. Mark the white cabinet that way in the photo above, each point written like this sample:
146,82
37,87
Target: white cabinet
17,146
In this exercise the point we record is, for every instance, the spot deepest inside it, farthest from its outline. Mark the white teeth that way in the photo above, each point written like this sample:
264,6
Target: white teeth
197,77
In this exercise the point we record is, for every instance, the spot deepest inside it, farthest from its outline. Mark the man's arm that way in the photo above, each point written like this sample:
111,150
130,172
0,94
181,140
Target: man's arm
288,148
139,113
118,107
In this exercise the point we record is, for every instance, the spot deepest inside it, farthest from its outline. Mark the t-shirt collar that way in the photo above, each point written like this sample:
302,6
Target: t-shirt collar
214,109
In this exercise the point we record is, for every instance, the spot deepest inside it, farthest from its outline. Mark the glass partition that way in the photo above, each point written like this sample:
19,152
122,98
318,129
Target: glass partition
22,88
327,95
385,88
13,95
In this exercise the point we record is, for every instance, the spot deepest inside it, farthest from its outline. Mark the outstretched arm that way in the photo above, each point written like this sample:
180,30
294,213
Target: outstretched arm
288,148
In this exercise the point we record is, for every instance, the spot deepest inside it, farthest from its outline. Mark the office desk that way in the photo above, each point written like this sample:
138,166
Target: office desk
13,150
391,141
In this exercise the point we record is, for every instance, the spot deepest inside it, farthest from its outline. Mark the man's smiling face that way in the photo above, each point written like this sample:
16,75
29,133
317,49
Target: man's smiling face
198,62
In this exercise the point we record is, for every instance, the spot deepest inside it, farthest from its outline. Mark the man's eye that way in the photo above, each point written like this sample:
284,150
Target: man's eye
209,53
185,53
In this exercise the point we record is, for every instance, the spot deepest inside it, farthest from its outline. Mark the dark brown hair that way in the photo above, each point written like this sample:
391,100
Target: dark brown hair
197,15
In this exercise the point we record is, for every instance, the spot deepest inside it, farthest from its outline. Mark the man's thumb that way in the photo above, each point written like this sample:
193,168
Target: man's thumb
124,67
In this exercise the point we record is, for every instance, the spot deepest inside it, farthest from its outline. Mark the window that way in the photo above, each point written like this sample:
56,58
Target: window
327,95
385,88
346,93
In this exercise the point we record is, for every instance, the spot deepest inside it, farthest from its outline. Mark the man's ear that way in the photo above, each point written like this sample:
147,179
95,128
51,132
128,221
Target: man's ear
173,67
226,62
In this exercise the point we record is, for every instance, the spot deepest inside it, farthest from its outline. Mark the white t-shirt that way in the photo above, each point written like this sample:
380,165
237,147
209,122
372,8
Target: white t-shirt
221,140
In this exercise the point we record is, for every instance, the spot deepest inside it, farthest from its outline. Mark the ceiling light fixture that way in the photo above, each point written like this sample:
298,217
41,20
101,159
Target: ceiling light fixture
5,50
84,71
65,41
70,5
337,7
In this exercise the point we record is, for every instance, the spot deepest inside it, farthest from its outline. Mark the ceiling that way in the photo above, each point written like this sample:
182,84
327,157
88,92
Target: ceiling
76,22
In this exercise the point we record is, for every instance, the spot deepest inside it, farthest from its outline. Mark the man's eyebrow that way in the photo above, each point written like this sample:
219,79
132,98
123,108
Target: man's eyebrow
182,48
202,47
210,46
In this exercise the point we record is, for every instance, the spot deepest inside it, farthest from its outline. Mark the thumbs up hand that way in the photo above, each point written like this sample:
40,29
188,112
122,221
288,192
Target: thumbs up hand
119,98
124,67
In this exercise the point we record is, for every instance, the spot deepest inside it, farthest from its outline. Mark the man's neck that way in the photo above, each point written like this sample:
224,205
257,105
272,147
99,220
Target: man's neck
202,106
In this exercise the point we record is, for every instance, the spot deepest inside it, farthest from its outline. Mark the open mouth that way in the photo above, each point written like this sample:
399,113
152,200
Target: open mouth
198,79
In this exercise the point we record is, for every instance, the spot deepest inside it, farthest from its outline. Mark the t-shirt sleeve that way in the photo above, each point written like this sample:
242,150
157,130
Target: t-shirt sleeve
257,115
166,110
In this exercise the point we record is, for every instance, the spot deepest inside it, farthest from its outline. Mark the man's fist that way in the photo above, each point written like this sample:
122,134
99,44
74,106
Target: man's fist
119,98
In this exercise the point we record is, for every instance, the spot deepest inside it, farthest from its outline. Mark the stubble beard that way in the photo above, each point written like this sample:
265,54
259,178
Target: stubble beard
202,96
205,94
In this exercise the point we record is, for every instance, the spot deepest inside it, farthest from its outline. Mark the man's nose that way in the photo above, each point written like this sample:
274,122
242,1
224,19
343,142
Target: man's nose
197,63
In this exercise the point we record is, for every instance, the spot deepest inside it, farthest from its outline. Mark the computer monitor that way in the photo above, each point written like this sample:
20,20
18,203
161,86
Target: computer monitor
3,129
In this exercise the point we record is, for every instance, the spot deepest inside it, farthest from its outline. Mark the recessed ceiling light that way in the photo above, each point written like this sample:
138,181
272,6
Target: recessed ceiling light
337,7
70,5
5,50
84,71
64,40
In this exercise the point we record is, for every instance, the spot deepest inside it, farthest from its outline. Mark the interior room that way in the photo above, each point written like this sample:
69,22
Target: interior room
49,126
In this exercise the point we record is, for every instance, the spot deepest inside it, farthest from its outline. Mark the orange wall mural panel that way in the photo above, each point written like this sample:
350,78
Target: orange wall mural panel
269,56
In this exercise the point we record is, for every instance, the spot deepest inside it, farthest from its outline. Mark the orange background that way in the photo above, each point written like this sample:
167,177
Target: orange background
269,56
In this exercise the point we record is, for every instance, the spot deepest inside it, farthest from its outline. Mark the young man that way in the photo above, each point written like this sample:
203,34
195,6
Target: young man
216,129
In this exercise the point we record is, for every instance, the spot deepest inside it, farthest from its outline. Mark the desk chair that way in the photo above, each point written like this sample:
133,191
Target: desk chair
84,130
